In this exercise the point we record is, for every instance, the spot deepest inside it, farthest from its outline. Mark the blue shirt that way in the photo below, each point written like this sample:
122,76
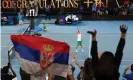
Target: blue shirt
19,16
81,9
94,8
130,7
129,76
47,9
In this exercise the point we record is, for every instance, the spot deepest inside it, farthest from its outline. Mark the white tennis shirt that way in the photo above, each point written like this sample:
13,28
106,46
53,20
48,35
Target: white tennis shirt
79,37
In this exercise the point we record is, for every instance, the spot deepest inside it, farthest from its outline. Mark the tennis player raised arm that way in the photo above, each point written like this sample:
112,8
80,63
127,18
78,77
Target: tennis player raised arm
79,40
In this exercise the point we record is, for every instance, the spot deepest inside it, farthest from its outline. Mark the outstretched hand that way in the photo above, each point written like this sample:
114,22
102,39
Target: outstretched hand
123,28
9,64
93,33
72,55
128,67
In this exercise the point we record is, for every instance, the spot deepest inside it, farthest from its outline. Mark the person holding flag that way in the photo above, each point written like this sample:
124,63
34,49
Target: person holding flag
6,75
79,40
40,55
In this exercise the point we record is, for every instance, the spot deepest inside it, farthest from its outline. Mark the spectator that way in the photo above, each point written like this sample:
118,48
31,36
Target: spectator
102,9
81,9
86,72
125,12
94,8
24,75
47,12
70,72
128,76
106,11
21,17
98,11
107,67
121,9
130,9
116,11
71,69
6,75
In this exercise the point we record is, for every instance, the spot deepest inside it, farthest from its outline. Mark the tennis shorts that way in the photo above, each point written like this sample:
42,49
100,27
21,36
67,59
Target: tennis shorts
79,43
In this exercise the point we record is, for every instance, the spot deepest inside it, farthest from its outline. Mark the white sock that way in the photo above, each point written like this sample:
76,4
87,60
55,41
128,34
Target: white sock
82,50
76,50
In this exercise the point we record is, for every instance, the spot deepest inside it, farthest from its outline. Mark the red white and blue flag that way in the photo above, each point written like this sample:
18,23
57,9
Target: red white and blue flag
36,53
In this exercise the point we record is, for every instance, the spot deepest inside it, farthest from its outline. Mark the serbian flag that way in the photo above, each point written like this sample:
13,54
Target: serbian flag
37,53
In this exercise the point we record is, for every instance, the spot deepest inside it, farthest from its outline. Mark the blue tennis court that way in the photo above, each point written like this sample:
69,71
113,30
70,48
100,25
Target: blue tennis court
108,37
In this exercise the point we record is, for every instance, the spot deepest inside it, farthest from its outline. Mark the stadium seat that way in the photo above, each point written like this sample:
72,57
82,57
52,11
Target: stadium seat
75,22
62,19
10,19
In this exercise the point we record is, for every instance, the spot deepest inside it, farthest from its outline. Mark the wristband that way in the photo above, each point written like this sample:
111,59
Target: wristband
125,69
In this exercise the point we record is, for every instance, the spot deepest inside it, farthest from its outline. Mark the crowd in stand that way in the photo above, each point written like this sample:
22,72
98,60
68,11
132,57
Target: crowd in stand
121,10
126,9
103,66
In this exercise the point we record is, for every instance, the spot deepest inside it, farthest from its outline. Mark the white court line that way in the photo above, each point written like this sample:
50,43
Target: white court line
113,35
5,46
84,35
90,46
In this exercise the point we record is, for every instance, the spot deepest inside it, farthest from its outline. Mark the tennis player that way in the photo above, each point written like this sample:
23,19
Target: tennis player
79,40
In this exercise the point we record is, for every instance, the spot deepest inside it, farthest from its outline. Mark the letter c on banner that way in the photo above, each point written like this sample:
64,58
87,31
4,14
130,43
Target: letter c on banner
5,4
